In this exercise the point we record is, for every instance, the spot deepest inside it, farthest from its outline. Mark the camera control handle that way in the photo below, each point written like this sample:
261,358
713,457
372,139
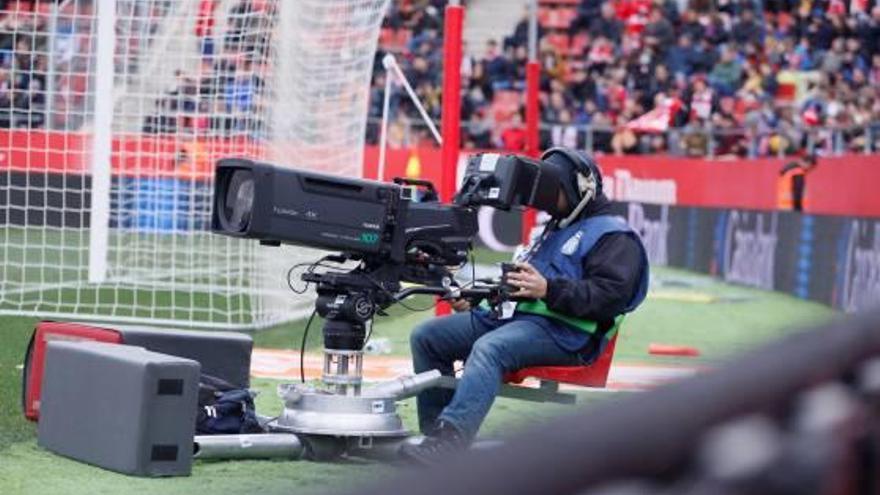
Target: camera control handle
477,293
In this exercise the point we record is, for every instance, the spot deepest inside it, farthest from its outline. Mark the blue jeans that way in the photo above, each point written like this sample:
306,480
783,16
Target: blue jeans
491,348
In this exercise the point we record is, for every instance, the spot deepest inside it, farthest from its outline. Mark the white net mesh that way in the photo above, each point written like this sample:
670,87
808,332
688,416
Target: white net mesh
285,81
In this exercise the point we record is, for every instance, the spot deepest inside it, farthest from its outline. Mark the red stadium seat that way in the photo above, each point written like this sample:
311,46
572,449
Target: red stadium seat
784,20
786,92
593,375
21,6
559,41
569,15
558,18
79,83
402,38
504,105
386,35
394,40
543,14
742,107
579,44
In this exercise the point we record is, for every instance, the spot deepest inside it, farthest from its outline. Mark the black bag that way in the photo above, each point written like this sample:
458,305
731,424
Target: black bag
225,409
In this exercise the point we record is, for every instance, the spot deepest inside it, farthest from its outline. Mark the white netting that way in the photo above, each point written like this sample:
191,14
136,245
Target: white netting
193,80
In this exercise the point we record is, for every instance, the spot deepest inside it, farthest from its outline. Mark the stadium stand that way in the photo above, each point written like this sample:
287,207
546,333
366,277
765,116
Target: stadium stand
740,78
43,85
688,77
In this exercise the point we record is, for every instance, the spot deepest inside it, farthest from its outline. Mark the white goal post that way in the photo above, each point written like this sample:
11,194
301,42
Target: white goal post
112,114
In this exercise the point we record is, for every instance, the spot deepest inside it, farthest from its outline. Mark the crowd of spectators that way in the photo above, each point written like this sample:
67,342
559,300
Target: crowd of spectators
419,52
222,95
692,77
23,69
47,57
732,76
226,94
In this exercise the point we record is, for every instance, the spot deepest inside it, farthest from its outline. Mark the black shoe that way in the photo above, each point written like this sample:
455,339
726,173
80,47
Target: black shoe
442,445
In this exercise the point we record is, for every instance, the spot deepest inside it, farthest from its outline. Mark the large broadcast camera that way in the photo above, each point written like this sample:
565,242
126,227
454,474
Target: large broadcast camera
377,222
396,233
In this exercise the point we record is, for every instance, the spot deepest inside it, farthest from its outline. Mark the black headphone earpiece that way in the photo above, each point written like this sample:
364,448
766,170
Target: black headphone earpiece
587,180
583,163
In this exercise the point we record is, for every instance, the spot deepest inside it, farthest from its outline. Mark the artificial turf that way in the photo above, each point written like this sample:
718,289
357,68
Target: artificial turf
695,310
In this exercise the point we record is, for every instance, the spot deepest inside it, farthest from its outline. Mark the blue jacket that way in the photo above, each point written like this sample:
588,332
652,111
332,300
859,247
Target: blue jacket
562,255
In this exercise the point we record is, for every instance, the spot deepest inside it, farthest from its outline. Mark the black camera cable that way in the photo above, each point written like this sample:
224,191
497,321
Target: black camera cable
302,348
312,266
473,281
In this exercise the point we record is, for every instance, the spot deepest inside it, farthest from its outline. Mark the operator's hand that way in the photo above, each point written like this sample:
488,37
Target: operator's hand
531,283
460,305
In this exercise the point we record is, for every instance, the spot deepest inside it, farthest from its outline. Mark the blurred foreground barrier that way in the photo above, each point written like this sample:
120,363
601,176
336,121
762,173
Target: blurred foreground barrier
798,416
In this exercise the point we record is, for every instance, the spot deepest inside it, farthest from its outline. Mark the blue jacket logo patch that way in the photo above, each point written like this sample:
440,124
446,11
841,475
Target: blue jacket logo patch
571,244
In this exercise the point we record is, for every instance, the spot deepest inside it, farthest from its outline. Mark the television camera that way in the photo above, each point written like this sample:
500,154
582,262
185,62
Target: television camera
395,233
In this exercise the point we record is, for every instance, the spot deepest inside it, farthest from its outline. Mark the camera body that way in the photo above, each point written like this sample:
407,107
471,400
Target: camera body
378,223
362,218
276,205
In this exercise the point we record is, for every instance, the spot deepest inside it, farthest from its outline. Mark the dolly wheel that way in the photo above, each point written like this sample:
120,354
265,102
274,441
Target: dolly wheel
323,448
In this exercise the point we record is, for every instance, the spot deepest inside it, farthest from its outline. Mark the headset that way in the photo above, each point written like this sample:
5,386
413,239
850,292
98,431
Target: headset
586,175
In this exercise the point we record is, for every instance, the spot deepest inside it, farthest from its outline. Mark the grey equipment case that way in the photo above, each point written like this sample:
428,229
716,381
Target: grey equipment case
119,407
226,355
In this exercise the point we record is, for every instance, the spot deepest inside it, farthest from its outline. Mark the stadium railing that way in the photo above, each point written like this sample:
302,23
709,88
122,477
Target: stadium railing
830,140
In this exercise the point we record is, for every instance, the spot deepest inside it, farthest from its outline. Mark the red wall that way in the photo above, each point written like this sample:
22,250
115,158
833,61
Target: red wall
845,185
742,183
42,151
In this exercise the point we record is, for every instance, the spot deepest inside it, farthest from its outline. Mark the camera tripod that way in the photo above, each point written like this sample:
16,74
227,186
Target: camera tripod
341,416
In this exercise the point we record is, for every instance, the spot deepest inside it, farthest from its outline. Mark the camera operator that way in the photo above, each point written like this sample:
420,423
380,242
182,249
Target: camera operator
574,283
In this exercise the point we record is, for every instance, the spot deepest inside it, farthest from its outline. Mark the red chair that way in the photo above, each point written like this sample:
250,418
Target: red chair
592,375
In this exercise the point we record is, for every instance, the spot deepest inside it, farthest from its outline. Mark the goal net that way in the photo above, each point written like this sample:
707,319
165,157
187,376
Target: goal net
112,115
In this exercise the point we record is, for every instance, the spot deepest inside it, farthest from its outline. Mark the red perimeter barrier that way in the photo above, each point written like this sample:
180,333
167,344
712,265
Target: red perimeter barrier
133,154
841,185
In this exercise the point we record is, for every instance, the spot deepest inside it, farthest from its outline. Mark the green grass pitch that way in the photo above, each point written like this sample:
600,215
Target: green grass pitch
678,313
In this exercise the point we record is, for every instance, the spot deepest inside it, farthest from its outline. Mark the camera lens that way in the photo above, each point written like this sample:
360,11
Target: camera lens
238,202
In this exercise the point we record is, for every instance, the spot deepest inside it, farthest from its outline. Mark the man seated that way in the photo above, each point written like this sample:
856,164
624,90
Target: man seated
578,277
